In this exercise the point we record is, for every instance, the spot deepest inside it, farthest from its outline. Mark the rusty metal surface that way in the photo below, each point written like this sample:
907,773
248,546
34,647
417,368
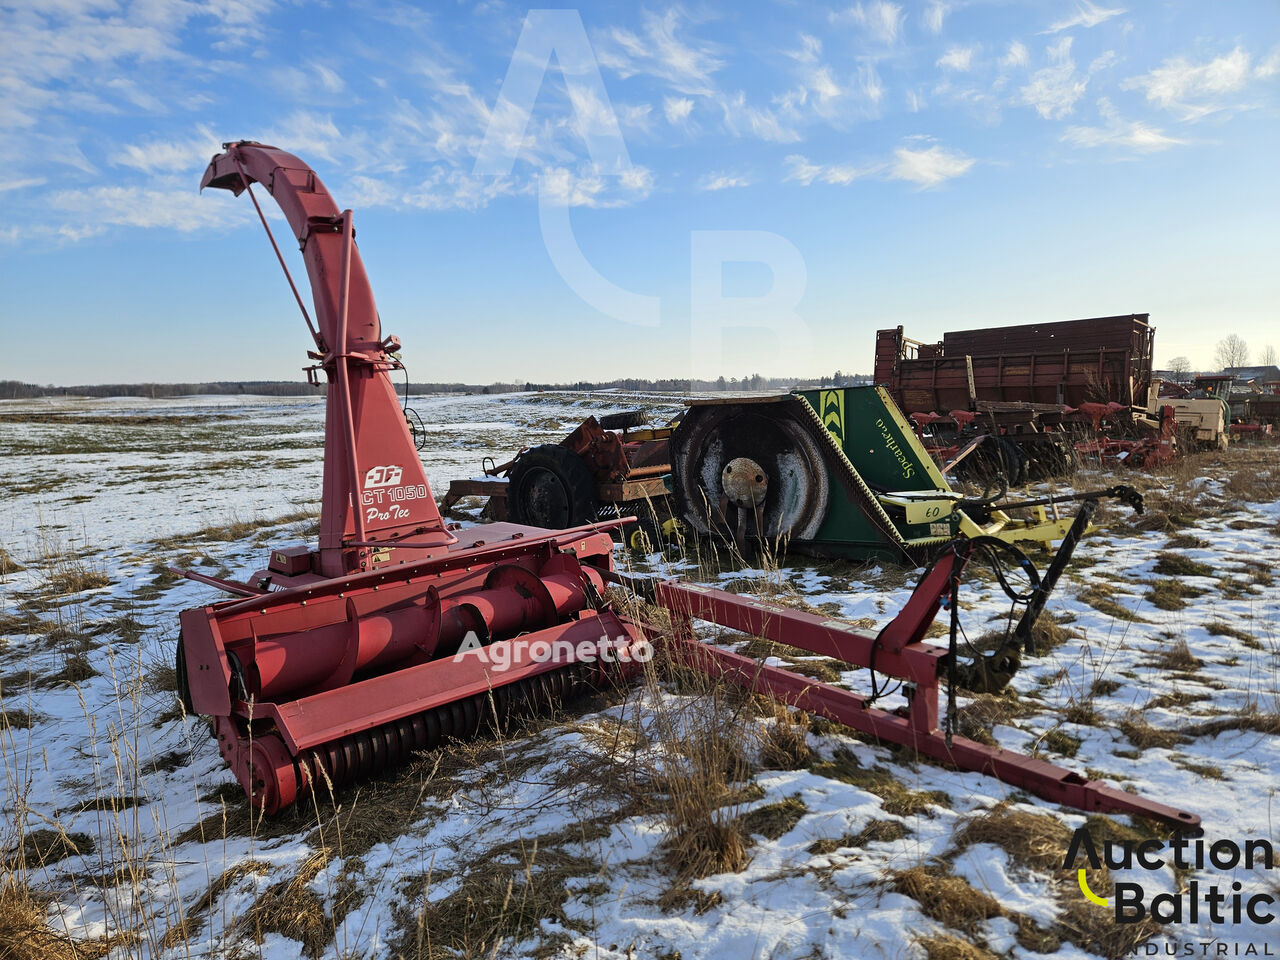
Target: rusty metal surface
1069,362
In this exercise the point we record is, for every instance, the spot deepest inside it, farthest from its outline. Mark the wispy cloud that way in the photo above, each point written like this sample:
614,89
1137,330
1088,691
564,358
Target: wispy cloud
170,156
1054,90
1132,136
929,167
800,170
882,21
96,208
661,50
7,185
933,16
677,109
925,166
722,181
1016,56
1190,91
956,58
1086,15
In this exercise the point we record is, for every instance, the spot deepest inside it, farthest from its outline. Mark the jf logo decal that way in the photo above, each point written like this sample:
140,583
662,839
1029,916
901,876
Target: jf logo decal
831,405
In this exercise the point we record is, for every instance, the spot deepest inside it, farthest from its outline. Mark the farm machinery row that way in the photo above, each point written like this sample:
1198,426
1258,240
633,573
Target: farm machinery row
399,631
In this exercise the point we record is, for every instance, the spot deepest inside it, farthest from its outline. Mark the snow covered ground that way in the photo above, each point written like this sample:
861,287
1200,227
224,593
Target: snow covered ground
558,842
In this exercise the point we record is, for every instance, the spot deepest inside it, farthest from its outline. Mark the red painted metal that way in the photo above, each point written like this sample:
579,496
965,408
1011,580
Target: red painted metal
375,489
898,651
363,655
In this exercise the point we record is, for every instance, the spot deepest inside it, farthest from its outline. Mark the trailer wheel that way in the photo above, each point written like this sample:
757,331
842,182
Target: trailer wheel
551,487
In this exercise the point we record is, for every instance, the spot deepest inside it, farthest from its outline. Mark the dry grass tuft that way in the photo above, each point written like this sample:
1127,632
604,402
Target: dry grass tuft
1178,658
45,846
1219,628
187,926
976,718
1146,737
876,831
502,900
9,565
948,899
73,576
1099,596
1169,594
773,820
292,908
947,947
783,745
1180,565
895,798
25,932
1252,719
1034,841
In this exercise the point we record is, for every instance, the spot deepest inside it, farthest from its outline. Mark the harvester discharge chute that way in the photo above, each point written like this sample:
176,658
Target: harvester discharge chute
835,473
399,633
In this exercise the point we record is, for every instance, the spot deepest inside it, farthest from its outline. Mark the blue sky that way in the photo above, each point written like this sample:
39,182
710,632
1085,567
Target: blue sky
938,165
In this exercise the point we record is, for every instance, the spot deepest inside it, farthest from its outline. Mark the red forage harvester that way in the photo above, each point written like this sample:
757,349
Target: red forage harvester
397,633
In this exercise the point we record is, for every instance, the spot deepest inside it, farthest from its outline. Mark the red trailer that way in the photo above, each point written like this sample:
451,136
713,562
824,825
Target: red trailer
1102,360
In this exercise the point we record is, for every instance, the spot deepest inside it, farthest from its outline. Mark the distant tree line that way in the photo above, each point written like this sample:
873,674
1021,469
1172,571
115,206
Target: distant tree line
16,390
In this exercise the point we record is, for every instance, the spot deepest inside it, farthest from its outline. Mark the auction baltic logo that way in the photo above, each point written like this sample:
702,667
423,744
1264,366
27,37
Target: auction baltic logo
1198,902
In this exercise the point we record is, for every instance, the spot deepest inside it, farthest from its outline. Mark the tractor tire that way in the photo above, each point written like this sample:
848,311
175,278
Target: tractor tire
624,420
551,487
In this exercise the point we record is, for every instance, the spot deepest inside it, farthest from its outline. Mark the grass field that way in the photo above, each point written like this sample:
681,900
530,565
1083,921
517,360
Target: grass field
670,819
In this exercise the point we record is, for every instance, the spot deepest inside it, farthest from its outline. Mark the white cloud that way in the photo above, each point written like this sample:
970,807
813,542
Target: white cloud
170,156
1016,56
310,134
929,167
1135,136
881,20
810,49
933,15
1087,15
869,84
741,118
915,102
687,65
800,170
956,58
1268,67
1191,91
174,209
822,85
7,185
587,189
722,181
1054,90
676,109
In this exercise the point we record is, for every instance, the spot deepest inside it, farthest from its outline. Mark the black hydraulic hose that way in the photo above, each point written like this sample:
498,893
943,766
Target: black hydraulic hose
1051,574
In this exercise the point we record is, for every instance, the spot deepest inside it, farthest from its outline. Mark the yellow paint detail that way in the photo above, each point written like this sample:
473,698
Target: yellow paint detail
1089,894
931,469
928,511
831,406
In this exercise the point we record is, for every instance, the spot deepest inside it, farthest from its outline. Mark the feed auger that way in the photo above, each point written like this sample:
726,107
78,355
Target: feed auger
399,632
